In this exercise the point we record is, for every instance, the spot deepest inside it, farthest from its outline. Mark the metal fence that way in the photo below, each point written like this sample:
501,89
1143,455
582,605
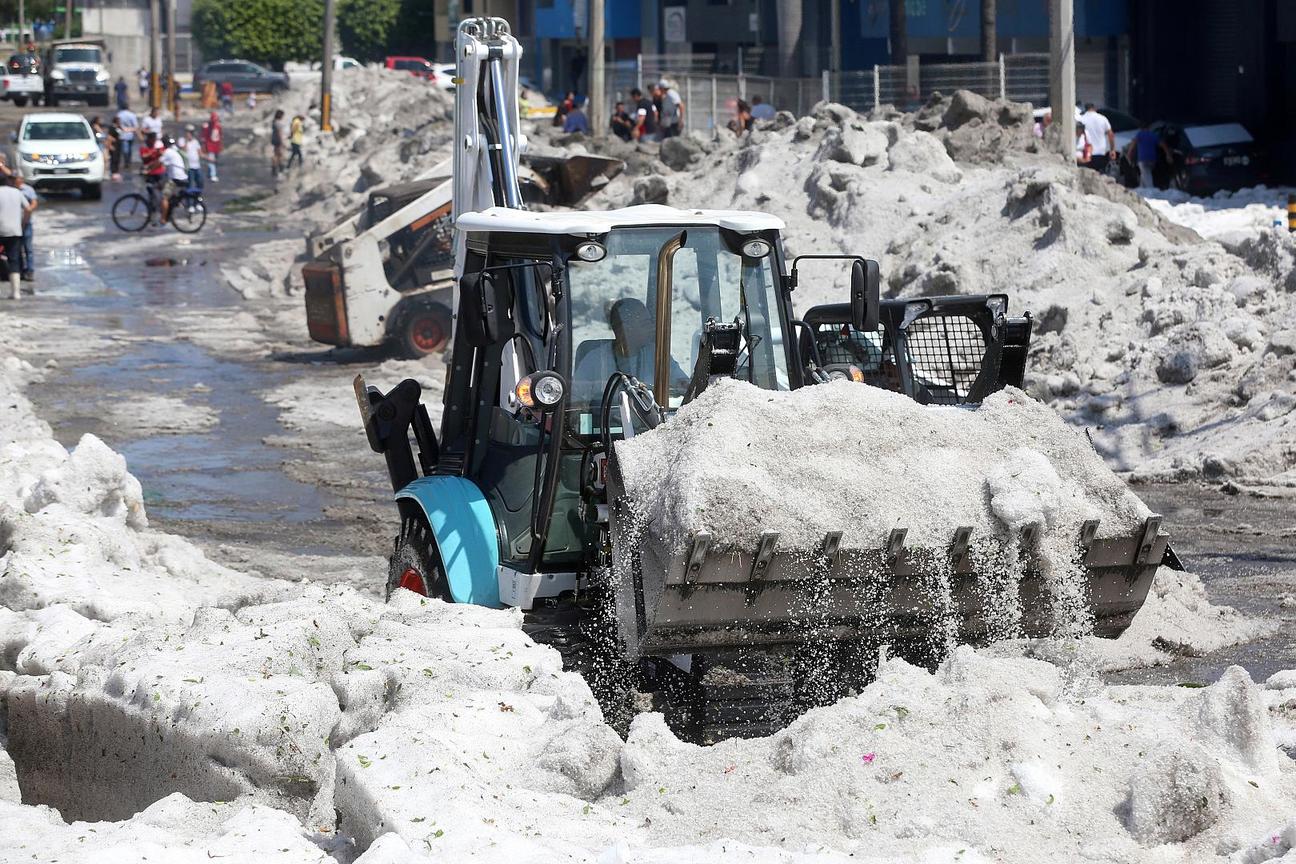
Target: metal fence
710,97
1020,77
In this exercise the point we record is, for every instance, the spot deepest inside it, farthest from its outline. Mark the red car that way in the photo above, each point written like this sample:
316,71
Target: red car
419,67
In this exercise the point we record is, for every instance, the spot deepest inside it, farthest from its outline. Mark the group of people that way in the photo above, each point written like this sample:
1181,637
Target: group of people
195,147
654,118
293,134
1095,144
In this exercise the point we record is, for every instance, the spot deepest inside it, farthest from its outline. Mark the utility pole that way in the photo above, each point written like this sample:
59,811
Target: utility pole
22,23
67,19
835,50
1062,75
326,70
594,110
989,46
173,91
899,33
155,54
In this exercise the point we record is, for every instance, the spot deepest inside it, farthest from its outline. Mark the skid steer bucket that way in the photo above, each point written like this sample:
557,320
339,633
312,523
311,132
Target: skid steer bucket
697,596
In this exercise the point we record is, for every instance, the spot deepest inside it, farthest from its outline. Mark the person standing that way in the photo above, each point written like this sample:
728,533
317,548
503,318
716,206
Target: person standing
26,257
191,147
152,124
1083,149
213,140
1101,138
114,149
13,213
1145,145
296,137
129,125
621,124
123,92
645,116
671,110
278,135
760,109
143,76
227,97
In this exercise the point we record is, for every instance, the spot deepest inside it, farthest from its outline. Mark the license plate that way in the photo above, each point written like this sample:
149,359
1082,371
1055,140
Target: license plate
61,170
1237,160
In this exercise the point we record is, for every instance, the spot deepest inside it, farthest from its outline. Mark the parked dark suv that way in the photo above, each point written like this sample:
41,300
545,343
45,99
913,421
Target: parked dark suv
244,75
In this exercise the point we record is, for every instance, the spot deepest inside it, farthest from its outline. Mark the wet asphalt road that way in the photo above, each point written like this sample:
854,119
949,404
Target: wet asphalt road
238,484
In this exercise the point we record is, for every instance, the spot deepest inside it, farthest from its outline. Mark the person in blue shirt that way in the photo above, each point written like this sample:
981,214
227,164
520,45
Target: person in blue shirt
576,120
1145,145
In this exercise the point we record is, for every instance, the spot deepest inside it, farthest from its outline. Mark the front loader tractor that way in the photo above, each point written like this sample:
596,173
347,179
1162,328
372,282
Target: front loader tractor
574,330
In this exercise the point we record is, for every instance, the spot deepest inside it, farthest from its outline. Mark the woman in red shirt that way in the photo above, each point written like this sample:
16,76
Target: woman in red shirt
213,139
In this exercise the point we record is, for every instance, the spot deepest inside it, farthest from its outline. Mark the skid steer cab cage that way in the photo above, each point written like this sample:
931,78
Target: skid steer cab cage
936,350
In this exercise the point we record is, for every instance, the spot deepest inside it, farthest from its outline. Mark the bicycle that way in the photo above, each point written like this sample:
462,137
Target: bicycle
134,212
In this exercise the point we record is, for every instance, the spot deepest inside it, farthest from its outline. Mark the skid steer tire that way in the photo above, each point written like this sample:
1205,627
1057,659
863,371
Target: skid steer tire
415,563
424,329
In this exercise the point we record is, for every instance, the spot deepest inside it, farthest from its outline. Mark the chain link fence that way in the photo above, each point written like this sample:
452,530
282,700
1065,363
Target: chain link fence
1020,77
711,97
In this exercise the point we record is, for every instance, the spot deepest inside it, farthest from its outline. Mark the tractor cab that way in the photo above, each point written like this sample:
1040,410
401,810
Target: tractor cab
573,329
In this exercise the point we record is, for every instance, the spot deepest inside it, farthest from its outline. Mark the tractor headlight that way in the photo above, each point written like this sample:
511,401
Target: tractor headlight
58,74
755,248
101,76
540,390
591,251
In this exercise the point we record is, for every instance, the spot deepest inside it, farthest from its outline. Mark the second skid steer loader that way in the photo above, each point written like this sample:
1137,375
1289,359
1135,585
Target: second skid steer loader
574,329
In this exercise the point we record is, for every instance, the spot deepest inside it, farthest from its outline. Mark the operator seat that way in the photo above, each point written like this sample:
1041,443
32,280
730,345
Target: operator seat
631,350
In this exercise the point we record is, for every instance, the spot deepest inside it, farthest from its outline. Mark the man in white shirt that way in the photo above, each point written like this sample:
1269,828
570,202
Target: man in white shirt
192,149
672,109
1101,138
176,174
152,123
13,212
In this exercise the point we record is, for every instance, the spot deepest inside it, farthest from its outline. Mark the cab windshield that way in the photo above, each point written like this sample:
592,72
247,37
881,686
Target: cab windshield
614,313
76,55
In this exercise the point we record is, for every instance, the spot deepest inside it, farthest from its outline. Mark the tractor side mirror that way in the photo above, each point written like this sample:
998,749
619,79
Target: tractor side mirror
865,294
485,304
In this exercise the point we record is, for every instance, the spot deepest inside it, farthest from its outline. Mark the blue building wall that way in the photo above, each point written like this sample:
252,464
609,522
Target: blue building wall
866,23
557,21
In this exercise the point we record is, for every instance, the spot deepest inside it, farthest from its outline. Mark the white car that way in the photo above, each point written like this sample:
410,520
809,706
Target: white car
59,151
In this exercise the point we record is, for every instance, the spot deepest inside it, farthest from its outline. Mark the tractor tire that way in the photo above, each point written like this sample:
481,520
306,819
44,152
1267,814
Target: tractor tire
424,329
51,101
415,563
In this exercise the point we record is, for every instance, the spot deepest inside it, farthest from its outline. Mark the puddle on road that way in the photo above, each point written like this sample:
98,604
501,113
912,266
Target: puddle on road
223,473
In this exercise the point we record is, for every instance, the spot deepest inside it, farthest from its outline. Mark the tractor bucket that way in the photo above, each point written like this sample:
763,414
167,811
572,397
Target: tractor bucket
567,180
696,597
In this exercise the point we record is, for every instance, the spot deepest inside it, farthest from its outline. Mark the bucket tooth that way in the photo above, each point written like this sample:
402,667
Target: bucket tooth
1151,527
1030,535
895,546
697,554
764,553
1088,531
958,550
830,552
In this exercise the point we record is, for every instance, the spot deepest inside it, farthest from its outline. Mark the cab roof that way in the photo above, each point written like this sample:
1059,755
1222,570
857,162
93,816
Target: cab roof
601,221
